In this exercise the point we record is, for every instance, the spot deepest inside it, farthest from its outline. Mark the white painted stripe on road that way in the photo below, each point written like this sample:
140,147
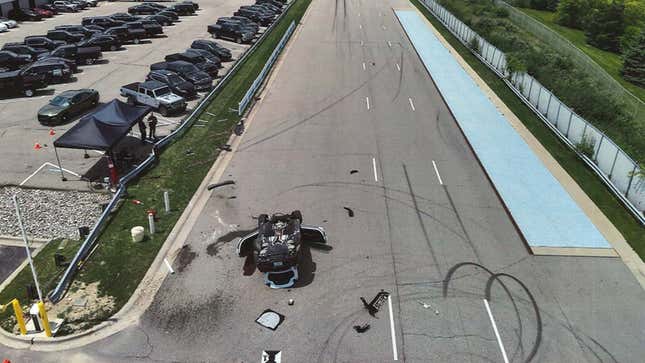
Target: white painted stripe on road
363,65
389,44
32,174
437,172
367,102
361,43
168,265
384,27
499,339
63,169
398,67
392,331
411,104
374,166
360,26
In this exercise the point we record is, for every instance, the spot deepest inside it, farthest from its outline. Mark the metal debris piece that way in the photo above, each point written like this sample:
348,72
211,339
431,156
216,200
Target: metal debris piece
428,306
350,212
216,185
361,328
270,319
291,301
353,171
374,305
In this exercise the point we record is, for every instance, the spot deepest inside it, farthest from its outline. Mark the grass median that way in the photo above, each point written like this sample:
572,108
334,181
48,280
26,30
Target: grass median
569,160
118,264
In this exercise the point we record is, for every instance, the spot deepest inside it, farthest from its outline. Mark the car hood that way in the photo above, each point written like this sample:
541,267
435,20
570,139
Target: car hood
43,55
198,76
171,98
50,110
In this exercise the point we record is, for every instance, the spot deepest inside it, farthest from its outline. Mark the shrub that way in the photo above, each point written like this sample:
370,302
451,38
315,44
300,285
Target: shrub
634,64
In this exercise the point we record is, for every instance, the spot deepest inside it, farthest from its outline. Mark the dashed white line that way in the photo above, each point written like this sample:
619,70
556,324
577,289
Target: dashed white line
499,339
434,165
363,65
360,26
374,167
398,67
32,174
389,44
361,43
411,104
384,27
168,265
392,331
367,102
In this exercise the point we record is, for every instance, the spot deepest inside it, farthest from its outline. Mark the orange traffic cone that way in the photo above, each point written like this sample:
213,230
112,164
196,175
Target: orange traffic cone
52,132
37,146
6,361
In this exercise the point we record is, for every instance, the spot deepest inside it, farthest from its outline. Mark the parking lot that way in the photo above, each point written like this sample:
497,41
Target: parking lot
24,164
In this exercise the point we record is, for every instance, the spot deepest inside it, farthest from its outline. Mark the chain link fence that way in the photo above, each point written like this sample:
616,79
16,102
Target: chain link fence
613,165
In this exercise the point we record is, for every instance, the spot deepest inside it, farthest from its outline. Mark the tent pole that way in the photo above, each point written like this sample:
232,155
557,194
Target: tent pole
60,167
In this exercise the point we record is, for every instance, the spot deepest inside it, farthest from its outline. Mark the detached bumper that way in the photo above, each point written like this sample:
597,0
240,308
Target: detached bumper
281,279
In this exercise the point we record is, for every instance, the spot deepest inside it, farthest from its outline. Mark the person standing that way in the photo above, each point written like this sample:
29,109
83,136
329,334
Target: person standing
142,131
152,124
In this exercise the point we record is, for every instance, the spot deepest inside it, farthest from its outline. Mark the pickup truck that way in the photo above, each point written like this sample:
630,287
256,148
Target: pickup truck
81,55
231,31
154,94
17,82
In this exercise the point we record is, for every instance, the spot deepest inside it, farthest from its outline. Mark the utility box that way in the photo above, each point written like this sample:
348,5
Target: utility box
34,313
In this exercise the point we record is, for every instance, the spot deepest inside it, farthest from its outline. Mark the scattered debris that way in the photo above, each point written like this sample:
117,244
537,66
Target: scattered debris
217,185
353,171
374,305
186,256
362,328
189,152
239,128
232,197
137,202
428,306
270,319
225,147
79,302
291,302
350,212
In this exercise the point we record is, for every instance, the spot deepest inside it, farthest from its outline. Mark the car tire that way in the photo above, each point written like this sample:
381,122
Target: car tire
113,47
262,218
136,41
238,40
95,101
163,110
297,215
89,61
29,92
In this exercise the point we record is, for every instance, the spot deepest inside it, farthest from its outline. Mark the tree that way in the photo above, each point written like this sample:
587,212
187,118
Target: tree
573,13
634,64
606,25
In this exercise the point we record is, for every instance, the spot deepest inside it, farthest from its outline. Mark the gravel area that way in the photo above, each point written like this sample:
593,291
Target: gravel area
49,213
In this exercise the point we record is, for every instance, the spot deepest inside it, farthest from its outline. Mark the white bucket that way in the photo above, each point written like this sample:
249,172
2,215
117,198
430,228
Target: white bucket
138,233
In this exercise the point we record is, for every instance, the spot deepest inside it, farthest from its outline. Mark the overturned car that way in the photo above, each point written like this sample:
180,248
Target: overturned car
275,247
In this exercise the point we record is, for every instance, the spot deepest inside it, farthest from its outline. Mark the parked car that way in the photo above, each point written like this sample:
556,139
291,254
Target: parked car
102,21
9,23
211,46
42,42
67,105
154,94
201,80
79,3
16,83
245,25
257,16
3,28
198,60
157,5
55,70
78,29
160,19
125,34
124,17
92,3
99,29
24,14
143,9
191,3
19,48
80,55
105,42
170,14
43,12
175,82
262,8
234,32
151,27
65,36
137,25
69,63
206,54
182,9
65,7
10,60
48,7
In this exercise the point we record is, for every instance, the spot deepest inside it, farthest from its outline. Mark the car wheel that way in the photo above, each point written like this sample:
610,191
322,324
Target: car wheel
297,215
113,47
130,101
238,40
64,118
29,92
163,111
262,219
89,61
137,40
95,101
166,24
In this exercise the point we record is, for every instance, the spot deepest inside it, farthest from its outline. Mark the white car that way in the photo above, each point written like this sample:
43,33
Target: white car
8,22
3,28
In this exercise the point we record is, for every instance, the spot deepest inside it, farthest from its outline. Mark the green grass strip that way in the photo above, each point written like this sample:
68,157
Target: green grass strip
119,264
588,180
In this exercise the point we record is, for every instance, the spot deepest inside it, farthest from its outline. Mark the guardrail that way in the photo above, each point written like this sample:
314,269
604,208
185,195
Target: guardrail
91,239
615,168
248,96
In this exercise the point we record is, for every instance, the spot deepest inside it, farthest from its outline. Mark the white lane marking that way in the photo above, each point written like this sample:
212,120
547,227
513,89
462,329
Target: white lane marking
367,102
384,27
32,174
389,44
360,26
374,166
393,333
359,15
398,67
437,172
499,339
363,65
63,169
411,104
168,265
361,43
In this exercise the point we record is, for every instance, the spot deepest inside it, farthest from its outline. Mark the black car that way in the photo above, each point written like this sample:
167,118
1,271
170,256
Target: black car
175,82
156,5
209,45
193,4
105,42
262,8
160,19
201,80
261,18
234,32
16,83
23,49
137,25
10,60
67,105
151,26
198,60
98,28
124,17
275,3
24,14
78,29
102,21
247,26
55,70
206,54
126,34
169,14
42,42
182,9
51,59
49,7
245,22
65,36
143,9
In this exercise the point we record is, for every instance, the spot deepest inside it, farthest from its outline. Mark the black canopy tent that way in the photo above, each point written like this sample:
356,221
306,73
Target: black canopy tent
102,129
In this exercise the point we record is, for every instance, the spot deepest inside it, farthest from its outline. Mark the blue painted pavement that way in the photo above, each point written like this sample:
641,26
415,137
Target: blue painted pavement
542,209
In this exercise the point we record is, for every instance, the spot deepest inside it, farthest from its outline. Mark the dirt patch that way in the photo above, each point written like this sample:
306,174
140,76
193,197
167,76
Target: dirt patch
186,256
213,248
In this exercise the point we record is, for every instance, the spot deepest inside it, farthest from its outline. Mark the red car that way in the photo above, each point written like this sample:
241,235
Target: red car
43,12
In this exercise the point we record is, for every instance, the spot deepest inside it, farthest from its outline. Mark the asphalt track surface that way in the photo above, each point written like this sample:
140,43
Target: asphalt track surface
413,227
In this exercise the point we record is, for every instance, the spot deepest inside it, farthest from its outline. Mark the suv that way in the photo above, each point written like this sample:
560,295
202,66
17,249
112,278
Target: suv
263,18
102,21
105,42
10,60
64,36
231,31
143,9
77,29
201,80
126,34
42,42
209,45
54,69
23,49
24,14
206,54
196,59
65,7
175,82
182,9
248,26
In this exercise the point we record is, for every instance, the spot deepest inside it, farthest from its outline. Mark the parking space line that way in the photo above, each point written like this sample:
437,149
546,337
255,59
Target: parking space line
360,26
32,174
363,65
499,339
398,67
392,331
63,169
374,166
434,165
411,104
389,44
367,102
